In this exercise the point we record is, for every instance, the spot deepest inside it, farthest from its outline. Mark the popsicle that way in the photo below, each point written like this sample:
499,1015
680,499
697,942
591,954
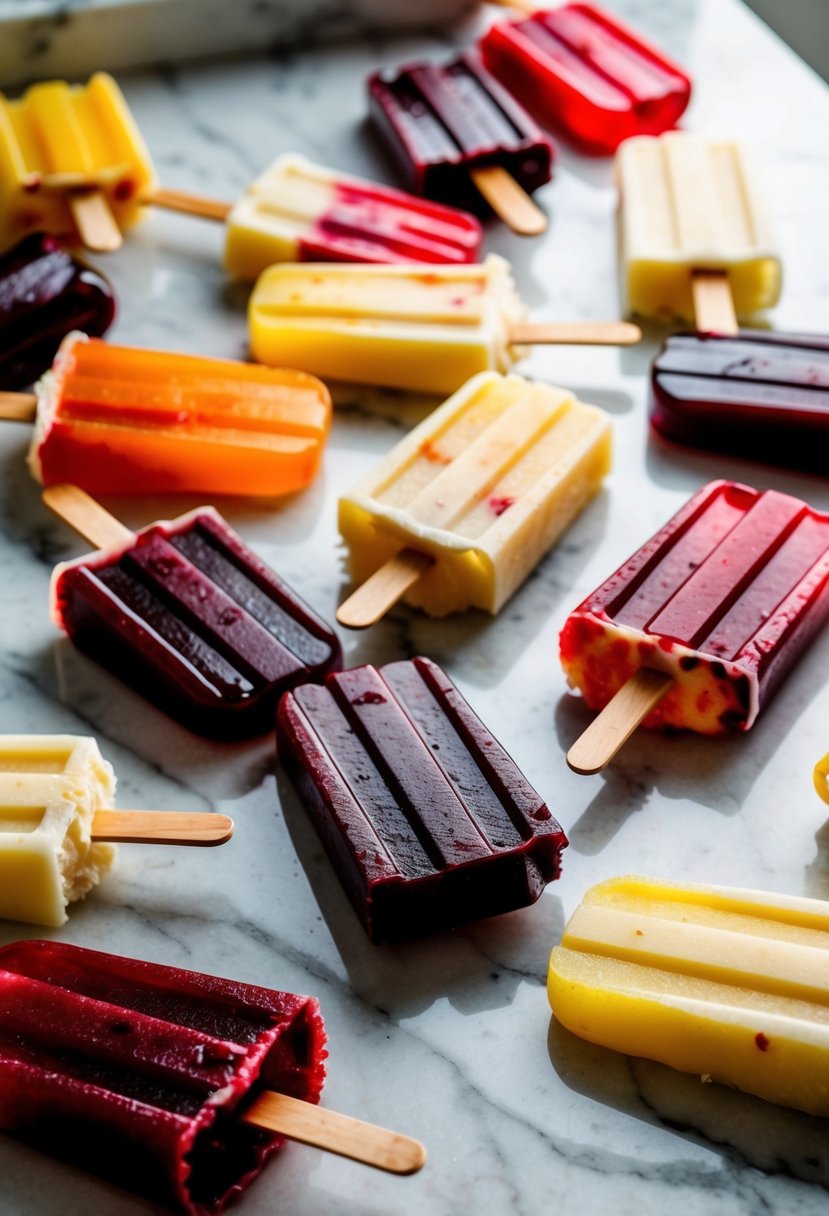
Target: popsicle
458,135
427,820
758,394
44,294
404,326
582,72
187,615
694,238
172,1083
462,509
72,162
117,420
54,791
720,981
821,777
703,622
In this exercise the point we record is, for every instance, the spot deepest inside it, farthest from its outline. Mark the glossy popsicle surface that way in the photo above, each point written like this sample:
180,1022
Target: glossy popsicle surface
440,122
724,599
141,1072
191,618
583,73
759,394
427,820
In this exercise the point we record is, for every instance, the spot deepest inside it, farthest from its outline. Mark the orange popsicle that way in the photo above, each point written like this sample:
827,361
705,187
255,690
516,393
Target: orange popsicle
112,419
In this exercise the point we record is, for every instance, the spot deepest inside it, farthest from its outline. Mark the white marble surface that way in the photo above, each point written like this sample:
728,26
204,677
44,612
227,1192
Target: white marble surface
450,1039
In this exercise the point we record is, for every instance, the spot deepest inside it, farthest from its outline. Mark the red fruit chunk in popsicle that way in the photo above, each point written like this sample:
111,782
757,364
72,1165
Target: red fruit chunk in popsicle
583,73
191,618
724,599
440,122
427,820
141,1072
756,394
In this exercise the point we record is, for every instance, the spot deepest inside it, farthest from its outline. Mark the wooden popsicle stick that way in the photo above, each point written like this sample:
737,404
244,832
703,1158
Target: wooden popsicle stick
713,302
821,777
161,827
189,204
94,220
509,200
383,589
336,1133
574,333
528,7
75,507
18,407
611,728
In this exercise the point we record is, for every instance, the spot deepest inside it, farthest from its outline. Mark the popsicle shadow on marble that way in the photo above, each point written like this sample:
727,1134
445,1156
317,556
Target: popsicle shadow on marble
766,1137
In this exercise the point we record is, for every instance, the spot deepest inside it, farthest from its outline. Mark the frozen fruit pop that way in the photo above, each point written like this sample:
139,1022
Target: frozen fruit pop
464,507
712,611
458,135
403,326
172,1083
45,294
427,820
727,983
66,151
583,73
118,420
187,615
756,394
54,795
692,225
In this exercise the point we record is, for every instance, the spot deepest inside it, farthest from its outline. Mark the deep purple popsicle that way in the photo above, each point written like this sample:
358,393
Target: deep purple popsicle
427,820
191,618
45,293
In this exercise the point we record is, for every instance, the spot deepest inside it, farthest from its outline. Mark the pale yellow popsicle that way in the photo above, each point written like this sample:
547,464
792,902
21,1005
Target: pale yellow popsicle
59,138
728,983
50,788
485,486
690,203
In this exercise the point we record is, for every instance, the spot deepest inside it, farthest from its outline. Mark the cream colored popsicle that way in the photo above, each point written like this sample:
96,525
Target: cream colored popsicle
692,204
479,492
731,984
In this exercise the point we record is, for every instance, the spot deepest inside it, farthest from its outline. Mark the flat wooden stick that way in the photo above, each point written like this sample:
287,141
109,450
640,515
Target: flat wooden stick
713,302
522,6
189,204
340,1134
574,333
383,589
94,221
161,827
821,777
611,729
75,507
18,407
509,201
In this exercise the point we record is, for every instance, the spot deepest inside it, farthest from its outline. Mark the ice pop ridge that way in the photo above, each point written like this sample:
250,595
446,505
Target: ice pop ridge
757,394
440,122
301,212
582,72
45,294
400,326
118,420
427,820
190,617
141,1072
59,138
690,203
719,981
485,486
50,788
724,598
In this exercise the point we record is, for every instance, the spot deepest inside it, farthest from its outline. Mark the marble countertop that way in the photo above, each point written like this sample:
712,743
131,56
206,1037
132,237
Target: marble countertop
450,1039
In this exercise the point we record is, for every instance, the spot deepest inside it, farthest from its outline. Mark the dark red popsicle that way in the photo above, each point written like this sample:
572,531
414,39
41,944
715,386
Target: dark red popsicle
427,820
44,295
585,74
